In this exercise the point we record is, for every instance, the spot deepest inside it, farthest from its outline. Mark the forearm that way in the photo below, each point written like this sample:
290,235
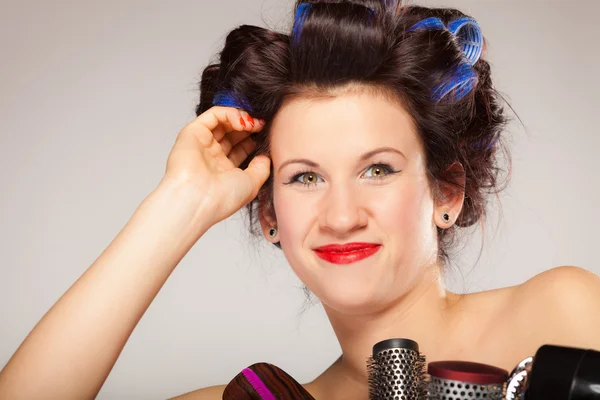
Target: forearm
71,351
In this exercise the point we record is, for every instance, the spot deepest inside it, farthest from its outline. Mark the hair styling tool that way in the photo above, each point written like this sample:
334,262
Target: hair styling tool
556,373
263,381
462,78
464,380
301,13
467,31
227,98
397,371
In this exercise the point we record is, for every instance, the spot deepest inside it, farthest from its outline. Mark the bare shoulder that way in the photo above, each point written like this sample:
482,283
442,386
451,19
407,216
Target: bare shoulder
563,302
565,277
208,393
568,291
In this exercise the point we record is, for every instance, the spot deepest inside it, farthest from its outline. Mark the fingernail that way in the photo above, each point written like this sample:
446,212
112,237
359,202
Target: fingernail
243,122
262,121
251,120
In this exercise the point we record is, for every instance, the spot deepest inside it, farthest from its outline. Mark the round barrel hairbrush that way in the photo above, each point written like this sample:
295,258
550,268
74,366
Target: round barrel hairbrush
397,371
464,380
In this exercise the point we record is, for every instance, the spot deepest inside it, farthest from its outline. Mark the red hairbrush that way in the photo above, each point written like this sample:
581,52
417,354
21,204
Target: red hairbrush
464,380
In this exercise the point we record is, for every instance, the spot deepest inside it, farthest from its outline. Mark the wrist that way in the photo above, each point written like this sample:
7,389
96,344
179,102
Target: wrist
186,205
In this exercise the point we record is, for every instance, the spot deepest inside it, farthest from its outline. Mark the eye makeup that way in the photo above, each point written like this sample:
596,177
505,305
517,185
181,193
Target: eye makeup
388,171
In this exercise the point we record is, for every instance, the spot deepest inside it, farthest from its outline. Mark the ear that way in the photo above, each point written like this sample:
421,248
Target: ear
266,216
450,197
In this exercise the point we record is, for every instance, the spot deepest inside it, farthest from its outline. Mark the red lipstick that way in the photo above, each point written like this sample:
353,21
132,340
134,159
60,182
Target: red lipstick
346,253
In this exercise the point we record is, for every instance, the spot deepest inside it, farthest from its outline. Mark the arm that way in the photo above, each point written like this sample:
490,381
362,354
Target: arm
71,351
208,393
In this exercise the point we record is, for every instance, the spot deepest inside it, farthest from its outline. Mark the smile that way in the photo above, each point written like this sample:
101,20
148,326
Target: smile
348,257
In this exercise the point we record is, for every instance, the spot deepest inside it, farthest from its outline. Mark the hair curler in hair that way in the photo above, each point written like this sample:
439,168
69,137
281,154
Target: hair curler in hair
557,373
397,371
464,380
461,79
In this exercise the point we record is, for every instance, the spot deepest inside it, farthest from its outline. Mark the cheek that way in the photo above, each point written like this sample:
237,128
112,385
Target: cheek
295,219
397,210
294,214
404,209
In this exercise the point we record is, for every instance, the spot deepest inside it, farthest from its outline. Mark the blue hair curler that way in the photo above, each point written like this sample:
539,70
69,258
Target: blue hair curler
462,80
468,33
469,36
427,24
372,14
466,30
229,99
301,14
485,144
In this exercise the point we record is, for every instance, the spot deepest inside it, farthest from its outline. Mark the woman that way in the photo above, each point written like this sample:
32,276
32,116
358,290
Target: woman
366,138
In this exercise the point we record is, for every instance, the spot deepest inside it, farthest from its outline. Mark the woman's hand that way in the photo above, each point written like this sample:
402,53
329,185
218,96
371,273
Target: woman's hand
206,156
61,357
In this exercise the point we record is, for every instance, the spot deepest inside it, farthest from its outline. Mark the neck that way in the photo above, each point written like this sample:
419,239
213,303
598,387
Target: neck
423,314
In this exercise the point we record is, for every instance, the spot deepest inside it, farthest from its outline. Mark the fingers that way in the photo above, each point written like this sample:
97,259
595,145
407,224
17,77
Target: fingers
248,123
258,170
221,120
241,151
232,139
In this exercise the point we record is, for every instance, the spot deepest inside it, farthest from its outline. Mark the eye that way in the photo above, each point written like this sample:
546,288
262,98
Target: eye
380,170
308,178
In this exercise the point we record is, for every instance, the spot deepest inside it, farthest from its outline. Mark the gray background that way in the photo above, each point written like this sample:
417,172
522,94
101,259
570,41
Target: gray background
92,95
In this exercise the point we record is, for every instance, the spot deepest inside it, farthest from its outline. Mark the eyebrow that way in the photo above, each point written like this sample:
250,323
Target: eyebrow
363,157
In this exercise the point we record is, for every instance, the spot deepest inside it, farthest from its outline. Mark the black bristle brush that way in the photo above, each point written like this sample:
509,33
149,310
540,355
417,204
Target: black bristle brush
397,370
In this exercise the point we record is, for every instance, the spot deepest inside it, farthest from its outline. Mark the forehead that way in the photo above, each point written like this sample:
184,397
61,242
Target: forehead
350,123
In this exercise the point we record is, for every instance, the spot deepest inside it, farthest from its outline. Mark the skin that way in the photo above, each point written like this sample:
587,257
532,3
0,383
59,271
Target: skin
398,292
72,349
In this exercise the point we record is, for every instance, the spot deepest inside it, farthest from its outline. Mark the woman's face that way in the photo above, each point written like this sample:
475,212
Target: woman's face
336,196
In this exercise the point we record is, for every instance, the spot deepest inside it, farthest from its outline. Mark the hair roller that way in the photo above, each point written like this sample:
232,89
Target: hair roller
465,29
229,99
427,24
372,14
462,79
469,36
301,14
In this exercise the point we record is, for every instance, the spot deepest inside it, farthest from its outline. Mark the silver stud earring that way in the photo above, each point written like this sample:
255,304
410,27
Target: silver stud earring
272,232
446,217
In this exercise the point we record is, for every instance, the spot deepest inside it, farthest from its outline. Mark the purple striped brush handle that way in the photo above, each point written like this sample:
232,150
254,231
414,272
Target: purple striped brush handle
263,381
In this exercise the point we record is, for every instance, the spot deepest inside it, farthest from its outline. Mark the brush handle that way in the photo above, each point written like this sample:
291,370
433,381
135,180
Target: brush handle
263,381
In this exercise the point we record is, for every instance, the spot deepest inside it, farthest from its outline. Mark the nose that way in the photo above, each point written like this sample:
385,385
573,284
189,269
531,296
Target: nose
342,211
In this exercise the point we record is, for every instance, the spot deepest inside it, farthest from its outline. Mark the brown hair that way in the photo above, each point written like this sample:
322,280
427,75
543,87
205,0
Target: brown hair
366,43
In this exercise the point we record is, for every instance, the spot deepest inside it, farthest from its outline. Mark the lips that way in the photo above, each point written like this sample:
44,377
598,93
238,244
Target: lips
346,253
347,247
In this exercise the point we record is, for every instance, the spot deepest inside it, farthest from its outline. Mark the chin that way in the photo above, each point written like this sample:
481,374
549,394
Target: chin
350,297
352,289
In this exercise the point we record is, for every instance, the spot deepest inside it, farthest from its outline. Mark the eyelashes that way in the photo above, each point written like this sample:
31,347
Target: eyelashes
385,167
